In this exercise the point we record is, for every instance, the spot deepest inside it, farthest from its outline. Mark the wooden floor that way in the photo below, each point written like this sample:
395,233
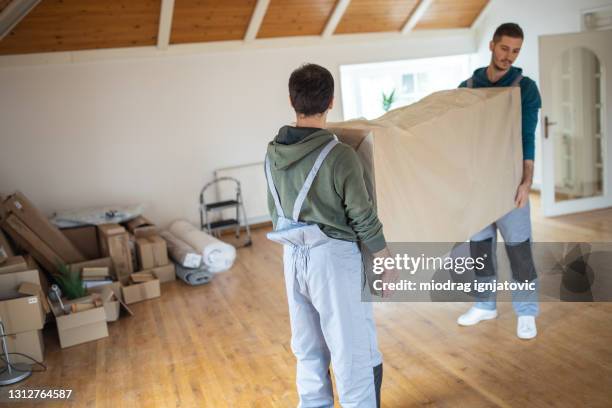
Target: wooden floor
227,345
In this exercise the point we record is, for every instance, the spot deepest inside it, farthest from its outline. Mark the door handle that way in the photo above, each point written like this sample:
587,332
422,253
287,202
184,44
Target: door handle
547,123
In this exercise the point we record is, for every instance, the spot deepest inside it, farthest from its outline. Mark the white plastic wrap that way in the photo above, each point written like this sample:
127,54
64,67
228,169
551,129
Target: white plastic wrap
217,256
96,216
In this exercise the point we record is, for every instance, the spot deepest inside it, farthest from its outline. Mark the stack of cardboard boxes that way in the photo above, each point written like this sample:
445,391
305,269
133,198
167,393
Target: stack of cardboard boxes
33,232
119,265
22,307
136,246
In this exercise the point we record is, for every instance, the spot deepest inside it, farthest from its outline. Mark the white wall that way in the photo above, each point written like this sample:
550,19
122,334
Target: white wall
152,130
536,17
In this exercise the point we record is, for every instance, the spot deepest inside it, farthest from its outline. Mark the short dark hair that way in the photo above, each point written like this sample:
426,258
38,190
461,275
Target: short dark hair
509,30
311,89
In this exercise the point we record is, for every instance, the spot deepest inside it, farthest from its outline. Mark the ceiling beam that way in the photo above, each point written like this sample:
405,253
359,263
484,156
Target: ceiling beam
14,13
461,40
416,16
256,19
335,18
165,24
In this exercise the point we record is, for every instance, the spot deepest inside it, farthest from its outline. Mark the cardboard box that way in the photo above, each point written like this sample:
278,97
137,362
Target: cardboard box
112,310
94,273
105,231
28,240
85,239
38,223
141,227
32,264
112,307
6,247
138,277
32,289
137,292
21,314
10,282
94,263
166,273
44,282
114,243
29,343
14,264
151,252
80,327
426,163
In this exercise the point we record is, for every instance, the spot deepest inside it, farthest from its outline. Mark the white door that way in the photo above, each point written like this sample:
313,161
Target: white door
576,120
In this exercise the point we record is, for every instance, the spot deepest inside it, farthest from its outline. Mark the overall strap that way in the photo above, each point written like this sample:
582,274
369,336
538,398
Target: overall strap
517,80
272,187
299,201
470,82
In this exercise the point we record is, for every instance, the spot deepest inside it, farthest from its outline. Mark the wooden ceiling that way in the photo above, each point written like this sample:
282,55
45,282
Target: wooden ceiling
287,18
3,4
374,16
209,20
451,13
70,25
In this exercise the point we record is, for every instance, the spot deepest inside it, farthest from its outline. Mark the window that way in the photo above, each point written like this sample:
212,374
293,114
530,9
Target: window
365,86
408,84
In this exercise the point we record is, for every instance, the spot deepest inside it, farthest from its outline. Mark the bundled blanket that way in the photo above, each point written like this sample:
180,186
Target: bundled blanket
193,276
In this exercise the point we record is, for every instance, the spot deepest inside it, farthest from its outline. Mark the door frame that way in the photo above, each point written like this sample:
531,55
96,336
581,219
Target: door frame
551,47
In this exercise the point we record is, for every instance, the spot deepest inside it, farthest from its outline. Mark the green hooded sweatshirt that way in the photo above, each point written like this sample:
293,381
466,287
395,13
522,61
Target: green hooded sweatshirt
338,201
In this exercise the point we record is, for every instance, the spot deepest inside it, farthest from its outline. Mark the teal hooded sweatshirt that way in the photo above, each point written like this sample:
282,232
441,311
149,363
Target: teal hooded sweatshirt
338,201
531,102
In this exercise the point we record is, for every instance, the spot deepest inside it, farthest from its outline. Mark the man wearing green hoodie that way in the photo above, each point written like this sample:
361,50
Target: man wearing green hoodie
318,182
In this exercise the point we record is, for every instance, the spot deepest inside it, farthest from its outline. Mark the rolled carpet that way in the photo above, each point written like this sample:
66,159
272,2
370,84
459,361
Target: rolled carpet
181,252
217,256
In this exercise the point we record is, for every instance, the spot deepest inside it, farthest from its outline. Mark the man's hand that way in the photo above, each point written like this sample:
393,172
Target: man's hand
522,195
522,192
389,275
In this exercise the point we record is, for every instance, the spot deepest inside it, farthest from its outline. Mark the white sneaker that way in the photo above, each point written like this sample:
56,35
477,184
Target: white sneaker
476,315
526,327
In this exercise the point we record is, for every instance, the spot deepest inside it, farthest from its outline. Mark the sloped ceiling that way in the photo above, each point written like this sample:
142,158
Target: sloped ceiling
71,25
287,18
364,16
3,4
210,20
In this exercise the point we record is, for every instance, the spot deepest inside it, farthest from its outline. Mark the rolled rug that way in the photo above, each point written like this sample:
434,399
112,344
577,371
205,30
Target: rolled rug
181,252
193,277
217,256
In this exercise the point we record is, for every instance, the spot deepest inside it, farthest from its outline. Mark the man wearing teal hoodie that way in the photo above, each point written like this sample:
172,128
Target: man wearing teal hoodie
515,227
318,182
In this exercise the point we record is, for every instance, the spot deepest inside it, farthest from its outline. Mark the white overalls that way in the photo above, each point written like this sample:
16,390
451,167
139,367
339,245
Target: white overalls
515,228
329,323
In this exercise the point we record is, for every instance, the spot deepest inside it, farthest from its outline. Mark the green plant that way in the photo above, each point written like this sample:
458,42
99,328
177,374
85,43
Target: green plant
70,282
387,100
